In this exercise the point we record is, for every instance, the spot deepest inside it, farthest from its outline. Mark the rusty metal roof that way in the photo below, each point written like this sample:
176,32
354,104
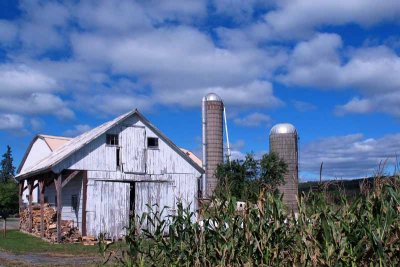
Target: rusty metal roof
54,142
193,156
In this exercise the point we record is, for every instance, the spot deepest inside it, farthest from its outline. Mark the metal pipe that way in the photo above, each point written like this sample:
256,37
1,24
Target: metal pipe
204,141
227,136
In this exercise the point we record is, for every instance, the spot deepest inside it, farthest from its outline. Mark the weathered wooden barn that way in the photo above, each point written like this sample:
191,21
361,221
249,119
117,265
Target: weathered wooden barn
105,176
40,147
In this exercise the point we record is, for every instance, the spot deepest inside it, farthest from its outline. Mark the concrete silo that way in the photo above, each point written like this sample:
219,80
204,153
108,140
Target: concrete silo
213,148
283,141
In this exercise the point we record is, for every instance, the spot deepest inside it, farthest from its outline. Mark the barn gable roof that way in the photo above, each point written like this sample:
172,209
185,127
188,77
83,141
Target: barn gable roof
53,142
80,141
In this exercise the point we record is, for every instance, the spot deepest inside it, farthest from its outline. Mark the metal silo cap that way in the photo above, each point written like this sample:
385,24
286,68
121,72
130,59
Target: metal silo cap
283,128
212,97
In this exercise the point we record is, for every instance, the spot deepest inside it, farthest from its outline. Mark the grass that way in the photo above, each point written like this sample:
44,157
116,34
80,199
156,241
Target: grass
20,243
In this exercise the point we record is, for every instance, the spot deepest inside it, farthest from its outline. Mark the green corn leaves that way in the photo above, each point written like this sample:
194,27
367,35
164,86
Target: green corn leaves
365,232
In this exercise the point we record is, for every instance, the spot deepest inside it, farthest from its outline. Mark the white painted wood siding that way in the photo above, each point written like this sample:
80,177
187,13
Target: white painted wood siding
94,156
107,208
133,149
169,178
74,187
38,151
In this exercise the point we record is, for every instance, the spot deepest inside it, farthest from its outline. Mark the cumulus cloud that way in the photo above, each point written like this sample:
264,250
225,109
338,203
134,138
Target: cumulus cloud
299,18
11,122
21,79
254,94
8,32
77,130
303,106
349,156
372,71
253,120
37,104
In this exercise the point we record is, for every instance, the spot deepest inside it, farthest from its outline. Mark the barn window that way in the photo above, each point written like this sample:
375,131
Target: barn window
74,202
152,142
118,157
112,139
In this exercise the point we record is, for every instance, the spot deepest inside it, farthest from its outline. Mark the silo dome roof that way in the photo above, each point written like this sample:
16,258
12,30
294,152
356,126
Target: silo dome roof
283,128
213,97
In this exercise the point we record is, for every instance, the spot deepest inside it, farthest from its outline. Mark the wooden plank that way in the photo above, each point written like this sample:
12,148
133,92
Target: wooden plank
84,202
30,222
41,189
57,182
26,187
21,190
69,178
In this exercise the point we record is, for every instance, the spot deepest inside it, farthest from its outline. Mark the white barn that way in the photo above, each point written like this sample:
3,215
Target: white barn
109,174
40,147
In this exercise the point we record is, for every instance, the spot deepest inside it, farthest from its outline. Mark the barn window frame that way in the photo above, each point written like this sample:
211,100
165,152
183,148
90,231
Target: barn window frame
152,143
112,140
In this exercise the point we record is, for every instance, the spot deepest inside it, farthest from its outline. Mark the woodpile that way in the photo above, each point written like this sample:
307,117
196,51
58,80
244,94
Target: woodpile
69,233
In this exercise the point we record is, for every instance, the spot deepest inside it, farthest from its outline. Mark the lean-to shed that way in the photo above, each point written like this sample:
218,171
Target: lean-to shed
106,176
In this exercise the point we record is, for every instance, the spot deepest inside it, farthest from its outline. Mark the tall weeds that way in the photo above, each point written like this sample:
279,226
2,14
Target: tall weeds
365,232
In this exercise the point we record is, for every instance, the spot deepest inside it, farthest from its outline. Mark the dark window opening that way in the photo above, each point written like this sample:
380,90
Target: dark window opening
152,142
74,202
118,157
112,139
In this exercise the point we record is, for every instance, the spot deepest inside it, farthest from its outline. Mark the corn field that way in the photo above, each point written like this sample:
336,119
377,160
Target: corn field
365,232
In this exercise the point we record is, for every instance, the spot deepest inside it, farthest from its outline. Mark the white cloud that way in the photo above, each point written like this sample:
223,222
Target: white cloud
21,79
77,130
372,71
349,156
43,25
299,18
172,58
8,32
11,122
255,94
303,106
253,120
36,104
36,124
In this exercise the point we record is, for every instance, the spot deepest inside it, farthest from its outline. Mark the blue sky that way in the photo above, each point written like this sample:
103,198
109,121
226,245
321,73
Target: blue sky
331,68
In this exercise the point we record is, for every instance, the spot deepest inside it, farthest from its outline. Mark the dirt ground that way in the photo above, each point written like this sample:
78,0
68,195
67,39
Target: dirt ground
40,259
12,223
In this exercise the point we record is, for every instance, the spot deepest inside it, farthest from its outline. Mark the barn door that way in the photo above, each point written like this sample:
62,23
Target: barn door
133,149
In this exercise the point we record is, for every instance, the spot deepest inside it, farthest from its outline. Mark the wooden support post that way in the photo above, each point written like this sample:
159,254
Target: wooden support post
84,201
57,182
69,178
30,189
41,189
21,191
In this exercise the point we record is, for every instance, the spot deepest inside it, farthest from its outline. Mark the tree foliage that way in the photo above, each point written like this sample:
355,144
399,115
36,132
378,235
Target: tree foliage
7,167
8,186
8,198
244,179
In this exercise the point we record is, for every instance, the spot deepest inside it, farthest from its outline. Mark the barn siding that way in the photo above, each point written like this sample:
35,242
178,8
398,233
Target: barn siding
107,208
38,151
169,178
74,187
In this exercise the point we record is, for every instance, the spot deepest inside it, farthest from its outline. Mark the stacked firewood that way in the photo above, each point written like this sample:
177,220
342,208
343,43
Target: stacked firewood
69,233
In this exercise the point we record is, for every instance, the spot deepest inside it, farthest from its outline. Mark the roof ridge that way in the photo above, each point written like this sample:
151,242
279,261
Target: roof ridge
55,136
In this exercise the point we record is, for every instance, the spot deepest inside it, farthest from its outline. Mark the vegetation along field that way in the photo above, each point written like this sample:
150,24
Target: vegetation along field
324,231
